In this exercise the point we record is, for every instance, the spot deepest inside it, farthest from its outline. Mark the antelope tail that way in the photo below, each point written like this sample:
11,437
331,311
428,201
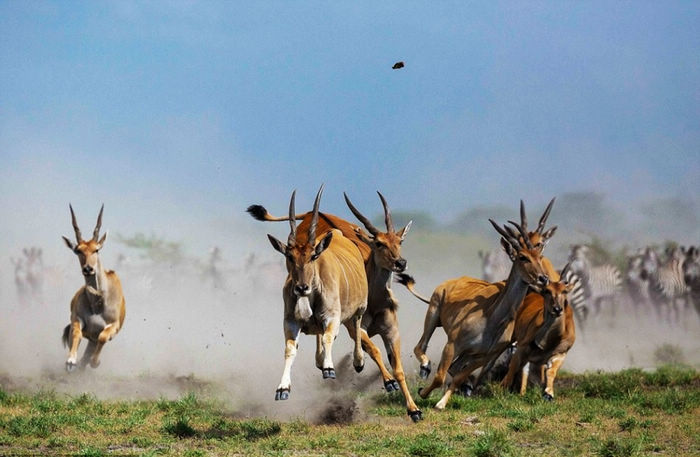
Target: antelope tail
409,282
66,335
258,212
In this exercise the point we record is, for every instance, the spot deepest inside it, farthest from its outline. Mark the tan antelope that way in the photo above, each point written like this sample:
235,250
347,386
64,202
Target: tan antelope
381,252
98,308
544,332
538,238
477,316
326,286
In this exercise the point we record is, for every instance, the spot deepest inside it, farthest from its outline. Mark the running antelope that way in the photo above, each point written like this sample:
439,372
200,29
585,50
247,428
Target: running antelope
326,286
539,239
381,252
544,332
477,316
98,308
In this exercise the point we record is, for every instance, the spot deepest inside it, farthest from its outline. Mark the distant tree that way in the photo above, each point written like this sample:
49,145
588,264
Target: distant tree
154,248
671,218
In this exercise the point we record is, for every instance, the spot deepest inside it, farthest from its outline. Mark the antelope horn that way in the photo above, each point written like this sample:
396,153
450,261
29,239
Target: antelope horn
96,233
368,225
292,222
314,217
78,236
387,214
523,233
513,241
545,215
523,216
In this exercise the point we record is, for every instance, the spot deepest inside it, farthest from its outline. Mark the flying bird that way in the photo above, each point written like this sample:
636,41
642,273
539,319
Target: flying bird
398,65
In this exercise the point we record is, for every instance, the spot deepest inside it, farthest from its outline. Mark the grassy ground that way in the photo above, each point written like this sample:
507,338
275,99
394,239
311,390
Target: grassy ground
622,414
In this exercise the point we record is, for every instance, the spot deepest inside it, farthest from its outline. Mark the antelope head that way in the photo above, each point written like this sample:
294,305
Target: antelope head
527,260
539,237
386,246
301,256
87,250
556,294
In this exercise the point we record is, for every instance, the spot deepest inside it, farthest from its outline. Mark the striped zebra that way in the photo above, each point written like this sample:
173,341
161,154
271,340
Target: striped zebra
691,274
667,287
601,283
636,280
577,297
495,265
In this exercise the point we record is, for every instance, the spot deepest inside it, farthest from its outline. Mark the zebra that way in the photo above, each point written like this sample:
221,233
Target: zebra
667,286
600,283
495,265
691,275
636,280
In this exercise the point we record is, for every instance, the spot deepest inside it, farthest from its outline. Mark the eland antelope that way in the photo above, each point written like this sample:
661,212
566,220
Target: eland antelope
381,252
326,286
97,309
544,332
477,316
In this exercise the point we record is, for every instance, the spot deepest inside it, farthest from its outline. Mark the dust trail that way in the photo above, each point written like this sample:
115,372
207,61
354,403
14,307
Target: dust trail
184,332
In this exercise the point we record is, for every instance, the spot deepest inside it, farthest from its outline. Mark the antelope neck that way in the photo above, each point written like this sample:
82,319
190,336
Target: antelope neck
506,304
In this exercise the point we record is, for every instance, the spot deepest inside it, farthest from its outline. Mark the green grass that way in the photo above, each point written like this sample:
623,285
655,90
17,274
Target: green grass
628,413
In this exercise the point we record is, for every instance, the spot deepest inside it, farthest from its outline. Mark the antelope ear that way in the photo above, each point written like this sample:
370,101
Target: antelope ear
404,231
277,245
69,243
323,244
363,236
102,240
548,234
509,249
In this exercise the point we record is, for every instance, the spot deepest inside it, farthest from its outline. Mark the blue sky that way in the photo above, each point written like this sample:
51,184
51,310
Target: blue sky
178,115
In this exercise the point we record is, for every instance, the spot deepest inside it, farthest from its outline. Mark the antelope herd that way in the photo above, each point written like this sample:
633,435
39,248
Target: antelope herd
341,273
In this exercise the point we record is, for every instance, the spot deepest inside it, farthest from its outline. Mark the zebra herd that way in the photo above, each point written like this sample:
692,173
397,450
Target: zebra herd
667,283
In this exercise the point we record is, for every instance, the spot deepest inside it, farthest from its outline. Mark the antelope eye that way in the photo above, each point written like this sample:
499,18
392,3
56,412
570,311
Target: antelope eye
524,258
379,244
314,256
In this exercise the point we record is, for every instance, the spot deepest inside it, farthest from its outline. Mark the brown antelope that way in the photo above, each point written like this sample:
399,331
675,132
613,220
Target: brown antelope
544,332
381,252
98,308
326,285
538,238
477,316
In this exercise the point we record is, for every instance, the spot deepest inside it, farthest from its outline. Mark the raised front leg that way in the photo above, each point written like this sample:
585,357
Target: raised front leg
551,373
329,335
291,336
432,317
447,355
393,349
105,335
76,335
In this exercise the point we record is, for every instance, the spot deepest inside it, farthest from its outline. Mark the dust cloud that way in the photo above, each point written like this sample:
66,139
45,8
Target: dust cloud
187,331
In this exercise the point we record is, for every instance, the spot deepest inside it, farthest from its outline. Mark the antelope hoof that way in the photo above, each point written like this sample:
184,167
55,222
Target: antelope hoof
416,415
392,386
425,371
547,397
328,373
282,394
466,390
422,393
360,368
94,363
71,365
